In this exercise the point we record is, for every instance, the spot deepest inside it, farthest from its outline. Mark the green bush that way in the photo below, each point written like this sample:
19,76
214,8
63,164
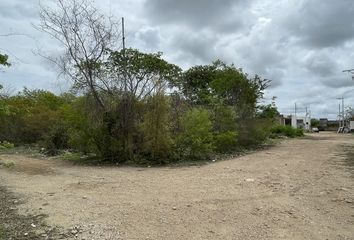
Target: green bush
6,145
226,141
287,131
28,116
254,132
224,119
57,139
155,130
81,130
196,140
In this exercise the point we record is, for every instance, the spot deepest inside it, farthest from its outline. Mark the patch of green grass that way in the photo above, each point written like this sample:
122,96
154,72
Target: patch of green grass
72,157
2,232
6,144
33,151
8,164
79,158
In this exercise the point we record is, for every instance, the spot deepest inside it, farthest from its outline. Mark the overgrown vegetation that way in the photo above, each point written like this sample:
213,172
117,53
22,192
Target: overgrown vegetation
6,145
132,107
287,131
163,127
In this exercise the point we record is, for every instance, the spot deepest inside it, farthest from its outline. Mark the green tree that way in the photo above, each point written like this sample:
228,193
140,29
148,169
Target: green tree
29,116
196,140
140,74
223,84
4,60
236,89
224,118
195,84
269,111
81,129
156,131
136,76
315,122
225,128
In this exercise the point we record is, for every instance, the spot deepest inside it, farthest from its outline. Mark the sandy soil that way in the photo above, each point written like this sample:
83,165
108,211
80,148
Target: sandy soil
299,189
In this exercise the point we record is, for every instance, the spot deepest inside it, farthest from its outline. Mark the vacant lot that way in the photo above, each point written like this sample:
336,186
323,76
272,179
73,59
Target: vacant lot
299,189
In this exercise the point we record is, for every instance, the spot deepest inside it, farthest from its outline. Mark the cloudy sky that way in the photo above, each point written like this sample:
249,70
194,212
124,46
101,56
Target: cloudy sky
301,45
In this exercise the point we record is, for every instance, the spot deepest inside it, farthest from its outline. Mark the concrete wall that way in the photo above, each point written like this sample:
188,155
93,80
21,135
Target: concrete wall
301,122
351,125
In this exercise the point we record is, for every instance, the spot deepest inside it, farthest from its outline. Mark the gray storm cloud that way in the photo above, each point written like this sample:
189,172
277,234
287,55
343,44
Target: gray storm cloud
218,15
301,45
321,23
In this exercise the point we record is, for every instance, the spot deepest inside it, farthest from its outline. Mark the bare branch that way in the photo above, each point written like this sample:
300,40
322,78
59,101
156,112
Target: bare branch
85,35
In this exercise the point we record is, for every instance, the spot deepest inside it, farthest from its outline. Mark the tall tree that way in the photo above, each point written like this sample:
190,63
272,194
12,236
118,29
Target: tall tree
4,60
140,74
222,83
85,35
155,126
135,76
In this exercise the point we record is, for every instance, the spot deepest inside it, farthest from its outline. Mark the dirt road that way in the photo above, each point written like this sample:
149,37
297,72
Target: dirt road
299,189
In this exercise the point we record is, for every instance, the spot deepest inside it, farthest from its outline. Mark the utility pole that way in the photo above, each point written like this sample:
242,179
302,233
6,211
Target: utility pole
339,119
295,118
343,112
349,71
126,103
295,109
306,119
123,34
310,120
342,115
123,39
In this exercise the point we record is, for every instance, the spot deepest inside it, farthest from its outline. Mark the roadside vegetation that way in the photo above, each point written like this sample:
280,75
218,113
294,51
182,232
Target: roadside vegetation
286,131
126,106
163,128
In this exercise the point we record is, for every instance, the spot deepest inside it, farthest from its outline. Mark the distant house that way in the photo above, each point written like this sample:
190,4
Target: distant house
351,125
284,120
295,121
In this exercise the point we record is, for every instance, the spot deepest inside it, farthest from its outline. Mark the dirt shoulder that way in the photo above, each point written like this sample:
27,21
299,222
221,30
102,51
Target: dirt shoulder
299,189
17,226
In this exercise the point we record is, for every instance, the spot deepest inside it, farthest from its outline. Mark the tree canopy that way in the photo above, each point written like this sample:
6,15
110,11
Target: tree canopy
4,60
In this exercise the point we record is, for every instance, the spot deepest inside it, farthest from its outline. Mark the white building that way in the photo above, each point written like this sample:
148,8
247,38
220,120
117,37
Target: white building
295,121
301,122
351,125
